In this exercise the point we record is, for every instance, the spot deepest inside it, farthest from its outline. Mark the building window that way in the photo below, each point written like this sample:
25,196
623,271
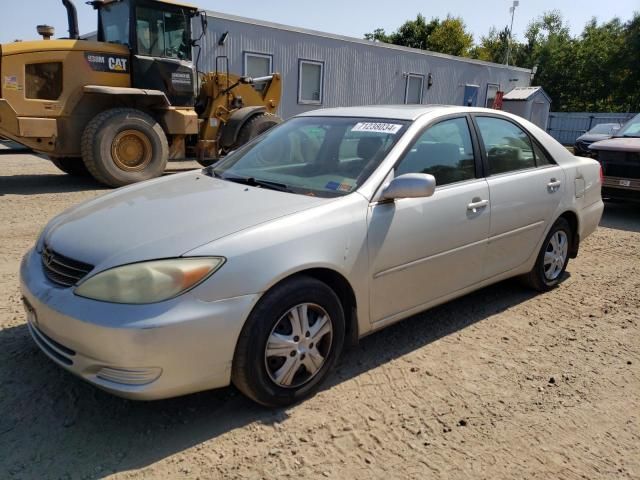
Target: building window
310,82
257,64
492,90
413,89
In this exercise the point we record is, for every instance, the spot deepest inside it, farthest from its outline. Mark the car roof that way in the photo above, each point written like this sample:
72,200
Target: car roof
398,112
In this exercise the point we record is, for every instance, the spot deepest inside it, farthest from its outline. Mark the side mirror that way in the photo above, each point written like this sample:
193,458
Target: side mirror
410,185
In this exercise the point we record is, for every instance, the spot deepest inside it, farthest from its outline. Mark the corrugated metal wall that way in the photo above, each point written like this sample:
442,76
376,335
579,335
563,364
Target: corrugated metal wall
565,127
355,72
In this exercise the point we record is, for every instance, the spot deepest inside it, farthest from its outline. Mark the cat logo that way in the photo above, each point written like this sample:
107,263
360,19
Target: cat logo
118,64
99,62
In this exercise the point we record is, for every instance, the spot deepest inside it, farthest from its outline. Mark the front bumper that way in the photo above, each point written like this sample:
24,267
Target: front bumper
142,352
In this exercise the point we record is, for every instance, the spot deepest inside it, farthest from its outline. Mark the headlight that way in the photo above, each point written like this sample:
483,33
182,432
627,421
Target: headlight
149,282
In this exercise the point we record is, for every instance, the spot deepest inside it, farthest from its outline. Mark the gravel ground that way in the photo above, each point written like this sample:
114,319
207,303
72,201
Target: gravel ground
502,383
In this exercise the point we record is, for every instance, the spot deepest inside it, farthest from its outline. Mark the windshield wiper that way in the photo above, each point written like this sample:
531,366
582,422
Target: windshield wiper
251,181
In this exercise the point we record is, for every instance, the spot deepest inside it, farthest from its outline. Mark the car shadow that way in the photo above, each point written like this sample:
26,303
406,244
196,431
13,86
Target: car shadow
42,401
621,216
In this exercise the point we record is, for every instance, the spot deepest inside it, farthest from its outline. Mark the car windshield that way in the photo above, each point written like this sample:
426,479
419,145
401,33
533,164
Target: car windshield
603,128
322,156
631,128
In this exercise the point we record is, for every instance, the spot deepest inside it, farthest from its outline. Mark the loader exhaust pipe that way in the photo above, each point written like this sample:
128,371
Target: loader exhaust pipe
72,18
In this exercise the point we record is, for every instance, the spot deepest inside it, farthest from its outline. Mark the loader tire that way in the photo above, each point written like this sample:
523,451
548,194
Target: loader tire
256,126
123,146
71,166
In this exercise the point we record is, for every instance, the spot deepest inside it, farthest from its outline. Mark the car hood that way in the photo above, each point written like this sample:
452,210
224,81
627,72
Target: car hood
592,137
165,218
619,144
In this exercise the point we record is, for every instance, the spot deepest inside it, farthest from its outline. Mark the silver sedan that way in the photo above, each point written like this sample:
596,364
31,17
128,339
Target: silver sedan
335,224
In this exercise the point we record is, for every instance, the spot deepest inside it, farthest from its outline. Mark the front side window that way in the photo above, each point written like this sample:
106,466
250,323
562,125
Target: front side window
321,156
507,146
311,79
114,23
413,91
163,34
444,150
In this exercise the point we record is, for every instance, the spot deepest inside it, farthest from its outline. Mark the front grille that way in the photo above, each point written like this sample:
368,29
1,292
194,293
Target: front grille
63,270
620,164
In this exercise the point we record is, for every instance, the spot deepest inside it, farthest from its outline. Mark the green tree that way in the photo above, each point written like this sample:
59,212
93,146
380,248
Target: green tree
552,49
450,36
378,35
628,96
446,36
493,46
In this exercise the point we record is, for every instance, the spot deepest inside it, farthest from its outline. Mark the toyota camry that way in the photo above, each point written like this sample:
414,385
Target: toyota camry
258,270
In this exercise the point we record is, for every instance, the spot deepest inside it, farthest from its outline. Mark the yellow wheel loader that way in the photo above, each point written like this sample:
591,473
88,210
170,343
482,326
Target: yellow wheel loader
120,107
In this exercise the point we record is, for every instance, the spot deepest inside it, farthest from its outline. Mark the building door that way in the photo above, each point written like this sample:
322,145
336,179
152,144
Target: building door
470,95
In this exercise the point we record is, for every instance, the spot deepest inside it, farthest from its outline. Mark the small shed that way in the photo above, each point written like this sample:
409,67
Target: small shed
531,103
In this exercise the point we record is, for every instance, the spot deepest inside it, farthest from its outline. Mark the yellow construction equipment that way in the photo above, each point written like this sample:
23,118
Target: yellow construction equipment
120,107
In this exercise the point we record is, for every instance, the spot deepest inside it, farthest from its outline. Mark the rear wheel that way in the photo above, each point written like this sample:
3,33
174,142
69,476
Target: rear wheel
290,342
71,165
123,146
553,258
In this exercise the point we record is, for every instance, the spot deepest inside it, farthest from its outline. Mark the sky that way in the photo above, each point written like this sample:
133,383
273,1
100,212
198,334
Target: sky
18,19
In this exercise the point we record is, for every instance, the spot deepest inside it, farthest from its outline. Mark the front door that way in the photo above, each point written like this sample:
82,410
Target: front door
162,54
421,249
525,189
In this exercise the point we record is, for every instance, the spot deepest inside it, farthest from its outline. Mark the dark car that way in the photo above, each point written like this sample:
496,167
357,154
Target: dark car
620,160
597,133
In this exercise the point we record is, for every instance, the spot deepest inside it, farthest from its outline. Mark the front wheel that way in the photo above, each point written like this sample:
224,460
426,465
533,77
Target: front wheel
553,258
123,146
290,342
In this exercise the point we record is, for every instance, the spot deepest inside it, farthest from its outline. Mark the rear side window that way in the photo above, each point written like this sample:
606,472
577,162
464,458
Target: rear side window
444,150
508,147
542,158
43,81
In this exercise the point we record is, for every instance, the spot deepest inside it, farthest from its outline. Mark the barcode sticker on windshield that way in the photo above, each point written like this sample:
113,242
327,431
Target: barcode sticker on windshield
391,128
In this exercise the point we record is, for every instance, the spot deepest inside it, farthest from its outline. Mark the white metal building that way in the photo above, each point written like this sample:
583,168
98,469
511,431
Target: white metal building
326,70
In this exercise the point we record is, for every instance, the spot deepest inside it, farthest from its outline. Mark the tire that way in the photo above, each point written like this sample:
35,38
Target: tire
544,276
268,379
123,146
256,126
71,166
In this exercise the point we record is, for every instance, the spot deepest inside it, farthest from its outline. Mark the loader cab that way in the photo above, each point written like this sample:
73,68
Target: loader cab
158,33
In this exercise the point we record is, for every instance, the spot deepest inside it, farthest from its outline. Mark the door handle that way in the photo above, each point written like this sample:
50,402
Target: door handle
475,206
553,185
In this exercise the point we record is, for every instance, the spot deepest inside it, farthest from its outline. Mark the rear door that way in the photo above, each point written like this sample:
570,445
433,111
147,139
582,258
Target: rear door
525,189
421,249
